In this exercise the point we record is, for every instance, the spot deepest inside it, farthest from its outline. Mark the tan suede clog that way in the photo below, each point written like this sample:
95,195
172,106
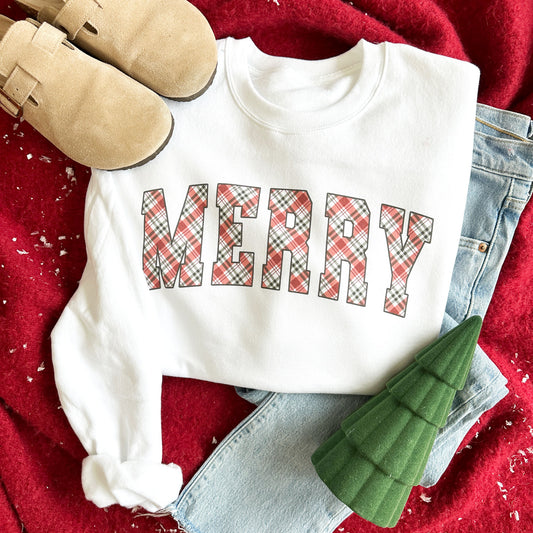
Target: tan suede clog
166,45
91,111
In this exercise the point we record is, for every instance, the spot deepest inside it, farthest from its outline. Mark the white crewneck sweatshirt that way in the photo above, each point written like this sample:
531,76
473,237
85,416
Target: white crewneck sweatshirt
297,234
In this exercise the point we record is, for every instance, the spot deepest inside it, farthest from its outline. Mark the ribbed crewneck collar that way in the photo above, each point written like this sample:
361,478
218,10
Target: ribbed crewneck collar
357,73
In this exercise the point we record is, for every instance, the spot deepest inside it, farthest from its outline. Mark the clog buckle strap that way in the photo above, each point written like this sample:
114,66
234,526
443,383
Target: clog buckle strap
30,69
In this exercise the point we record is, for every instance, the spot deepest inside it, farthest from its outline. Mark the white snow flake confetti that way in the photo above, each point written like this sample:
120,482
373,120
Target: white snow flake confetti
518,459
29,156
515,515
71,175
214,441
22,252
525,378
46,244
41,367
500,484
29,379
425,498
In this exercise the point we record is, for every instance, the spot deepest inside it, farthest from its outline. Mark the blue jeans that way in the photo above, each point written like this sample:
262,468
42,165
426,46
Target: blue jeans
260,477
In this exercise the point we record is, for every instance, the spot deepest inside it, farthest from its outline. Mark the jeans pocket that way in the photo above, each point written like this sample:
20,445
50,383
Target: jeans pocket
468,265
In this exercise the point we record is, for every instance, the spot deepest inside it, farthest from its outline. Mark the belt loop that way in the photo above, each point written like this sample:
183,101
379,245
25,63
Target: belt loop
74,15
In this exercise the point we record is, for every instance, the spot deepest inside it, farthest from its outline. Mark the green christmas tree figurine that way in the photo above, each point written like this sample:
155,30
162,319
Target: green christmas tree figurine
381,450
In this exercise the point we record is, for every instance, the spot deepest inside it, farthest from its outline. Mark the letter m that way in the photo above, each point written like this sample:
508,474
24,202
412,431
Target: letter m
164,256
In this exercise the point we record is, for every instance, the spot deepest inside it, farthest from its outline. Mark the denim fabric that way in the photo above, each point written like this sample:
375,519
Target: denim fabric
260,478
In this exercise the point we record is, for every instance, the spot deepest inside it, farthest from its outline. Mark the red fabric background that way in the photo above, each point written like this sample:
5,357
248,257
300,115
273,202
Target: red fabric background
487,486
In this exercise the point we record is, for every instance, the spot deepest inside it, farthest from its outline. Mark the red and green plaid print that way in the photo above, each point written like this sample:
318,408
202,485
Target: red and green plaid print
290,224
164,256
402,256
225,270
348,226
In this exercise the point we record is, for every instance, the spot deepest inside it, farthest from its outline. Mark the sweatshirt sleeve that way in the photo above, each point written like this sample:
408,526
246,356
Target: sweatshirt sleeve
109,379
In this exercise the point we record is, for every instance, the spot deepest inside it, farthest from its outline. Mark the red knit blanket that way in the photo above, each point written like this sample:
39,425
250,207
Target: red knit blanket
487,486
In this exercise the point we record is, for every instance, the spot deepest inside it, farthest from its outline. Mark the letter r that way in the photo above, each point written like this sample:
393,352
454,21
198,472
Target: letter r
290,225
350,249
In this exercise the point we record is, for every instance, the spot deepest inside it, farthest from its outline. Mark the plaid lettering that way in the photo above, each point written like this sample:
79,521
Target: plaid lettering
352,249
402,256
288,234
165,257
225,270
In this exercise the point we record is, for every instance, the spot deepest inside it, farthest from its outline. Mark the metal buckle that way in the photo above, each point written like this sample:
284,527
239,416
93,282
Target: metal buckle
17,112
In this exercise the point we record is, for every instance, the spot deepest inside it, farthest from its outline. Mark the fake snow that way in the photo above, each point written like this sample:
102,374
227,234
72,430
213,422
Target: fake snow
502,490
425,498
518,459
46,244
70,173
41,367
515,515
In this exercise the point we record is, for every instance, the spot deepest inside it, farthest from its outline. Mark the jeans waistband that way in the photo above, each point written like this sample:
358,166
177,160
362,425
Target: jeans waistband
504,143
